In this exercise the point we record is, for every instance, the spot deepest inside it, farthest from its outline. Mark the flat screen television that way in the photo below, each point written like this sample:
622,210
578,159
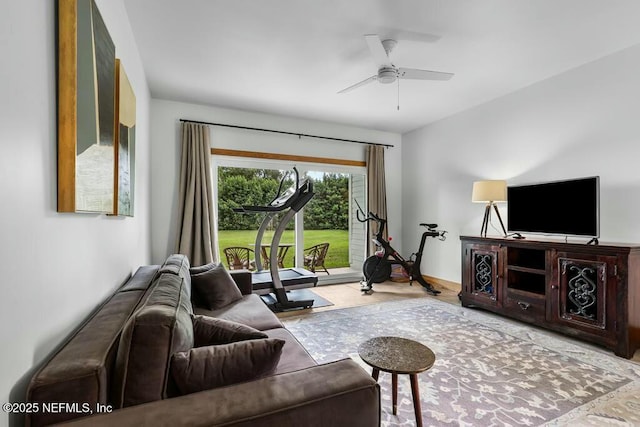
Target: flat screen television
569,207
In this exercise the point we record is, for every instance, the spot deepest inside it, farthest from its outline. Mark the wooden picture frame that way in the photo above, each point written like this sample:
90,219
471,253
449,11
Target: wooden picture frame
124,183
86,109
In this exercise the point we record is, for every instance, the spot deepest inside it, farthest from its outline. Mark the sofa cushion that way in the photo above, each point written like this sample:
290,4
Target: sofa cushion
209,331
159,328
178,264
250,310
141,279
294,356
204,368
215,287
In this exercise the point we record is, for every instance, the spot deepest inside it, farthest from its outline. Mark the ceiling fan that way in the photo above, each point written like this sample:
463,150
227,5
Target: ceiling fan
389,73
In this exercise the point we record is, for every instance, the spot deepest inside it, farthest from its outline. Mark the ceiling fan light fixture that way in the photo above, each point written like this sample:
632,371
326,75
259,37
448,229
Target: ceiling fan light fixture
387,75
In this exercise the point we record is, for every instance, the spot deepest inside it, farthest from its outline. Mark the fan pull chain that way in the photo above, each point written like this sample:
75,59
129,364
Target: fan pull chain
398,94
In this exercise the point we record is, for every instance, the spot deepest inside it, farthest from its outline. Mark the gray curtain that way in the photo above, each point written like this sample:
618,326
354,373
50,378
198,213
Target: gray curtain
376,187
195,202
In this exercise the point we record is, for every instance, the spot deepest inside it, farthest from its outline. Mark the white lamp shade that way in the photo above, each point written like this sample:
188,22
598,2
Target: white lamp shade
489,191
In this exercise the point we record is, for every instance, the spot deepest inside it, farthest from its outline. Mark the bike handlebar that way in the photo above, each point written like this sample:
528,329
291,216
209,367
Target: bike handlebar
431,228
441,235
370,217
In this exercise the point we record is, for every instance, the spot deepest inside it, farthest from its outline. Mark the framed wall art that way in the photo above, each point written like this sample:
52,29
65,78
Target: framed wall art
125,144
86,109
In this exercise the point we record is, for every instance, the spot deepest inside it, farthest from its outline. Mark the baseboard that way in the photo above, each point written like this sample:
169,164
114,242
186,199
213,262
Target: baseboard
453,286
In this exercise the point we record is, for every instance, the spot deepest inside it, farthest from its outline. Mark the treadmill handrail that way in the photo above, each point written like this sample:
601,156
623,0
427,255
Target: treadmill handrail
278,208
295,187
277,203
302,190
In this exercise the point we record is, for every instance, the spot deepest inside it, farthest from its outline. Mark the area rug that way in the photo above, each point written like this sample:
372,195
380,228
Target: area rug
489,370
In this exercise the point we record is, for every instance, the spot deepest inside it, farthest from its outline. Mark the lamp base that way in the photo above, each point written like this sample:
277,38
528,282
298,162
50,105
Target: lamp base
487,219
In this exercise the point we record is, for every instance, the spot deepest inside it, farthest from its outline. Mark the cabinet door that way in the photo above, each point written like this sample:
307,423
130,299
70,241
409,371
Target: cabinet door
482,275
584,293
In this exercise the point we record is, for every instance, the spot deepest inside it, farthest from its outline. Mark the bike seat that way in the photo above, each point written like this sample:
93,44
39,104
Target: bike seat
429,226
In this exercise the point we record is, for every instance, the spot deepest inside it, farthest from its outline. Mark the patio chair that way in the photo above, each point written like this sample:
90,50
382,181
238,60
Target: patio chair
282,252
314,257
239,258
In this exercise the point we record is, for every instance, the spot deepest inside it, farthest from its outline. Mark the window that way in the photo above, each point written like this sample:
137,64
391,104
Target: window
329,217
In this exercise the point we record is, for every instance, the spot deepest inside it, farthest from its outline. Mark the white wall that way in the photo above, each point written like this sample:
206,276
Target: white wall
165,156
55,267
583,122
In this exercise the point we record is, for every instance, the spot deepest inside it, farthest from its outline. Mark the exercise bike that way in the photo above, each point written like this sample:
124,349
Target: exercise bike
377,268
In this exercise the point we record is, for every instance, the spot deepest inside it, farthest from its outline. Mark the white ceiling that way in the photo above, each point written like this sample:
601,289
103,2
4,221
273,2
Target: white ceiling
291,57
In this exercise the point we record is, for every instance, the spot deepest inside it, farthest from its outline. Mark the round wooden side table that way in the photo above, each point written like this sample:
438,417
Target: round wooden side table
398,356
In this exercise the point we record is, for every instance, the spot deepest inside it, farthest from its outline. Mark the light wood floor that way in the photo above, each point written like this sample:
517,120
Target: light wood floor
349,295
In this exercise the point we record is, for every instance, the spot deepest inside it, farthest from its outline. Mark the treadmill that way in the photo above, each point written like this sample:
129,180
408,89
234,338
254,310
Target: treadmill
278,281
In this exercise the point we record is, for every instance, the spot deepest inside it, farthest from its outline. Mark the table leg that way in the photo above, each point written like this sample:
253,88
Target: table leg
394,388
415,391
375,373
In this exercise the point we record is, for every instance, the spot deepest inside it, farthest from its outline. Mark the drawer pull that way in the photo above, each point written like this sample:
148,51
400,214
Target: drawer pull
524,305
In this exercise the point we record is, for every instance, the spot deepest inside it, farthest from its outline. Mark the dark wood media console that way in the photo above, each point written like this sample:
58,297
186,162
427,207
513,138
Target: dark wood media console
591,292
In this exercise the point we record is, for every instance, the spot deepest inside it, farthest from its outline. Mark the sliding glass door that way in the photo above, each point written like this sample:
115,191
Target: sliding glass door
330,226
325,236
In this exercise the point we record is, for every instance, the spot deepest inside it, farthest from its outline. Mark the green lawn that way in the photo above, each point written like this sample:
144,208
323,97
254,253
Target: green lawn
337,256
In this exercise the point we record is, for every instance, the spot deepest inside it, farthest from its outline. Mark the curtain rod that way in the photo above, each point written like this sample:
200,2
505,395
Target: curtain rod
299,135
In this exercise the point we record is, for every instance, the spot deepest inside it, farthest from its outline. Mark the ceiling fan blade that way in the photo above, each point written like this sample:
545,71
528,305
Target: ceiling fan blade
412,36
415,74
377,51
362,83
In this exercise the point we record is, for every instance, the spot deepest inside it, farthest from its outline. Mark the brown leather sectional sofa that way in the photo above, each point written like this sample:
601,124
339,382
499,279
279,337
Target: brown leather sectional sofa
115,370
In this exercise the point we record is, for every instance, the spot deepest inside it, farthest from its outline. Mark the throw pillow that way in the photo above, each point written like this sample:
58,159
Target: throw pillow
215,287
204,368
202,268
195,295
209,331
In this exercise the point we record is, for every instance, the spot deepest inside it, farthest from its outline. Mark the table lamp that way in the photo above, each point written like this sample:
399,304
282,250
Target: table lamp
490,192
